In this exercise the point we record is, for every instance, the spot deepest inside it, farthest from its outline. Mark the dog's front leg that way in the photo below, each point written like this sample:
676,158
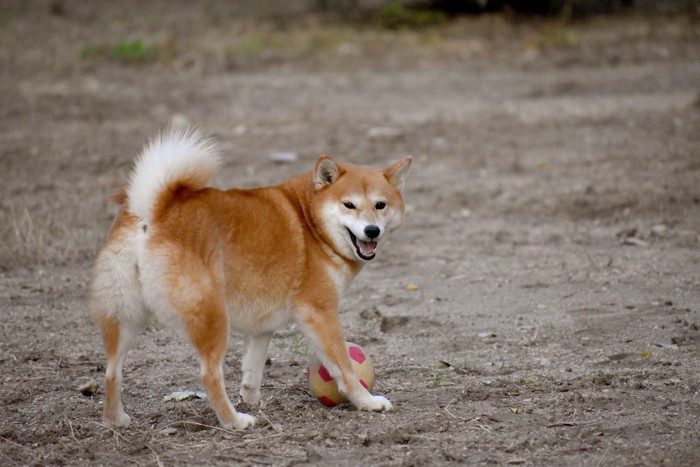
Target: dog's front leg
253,364
321,326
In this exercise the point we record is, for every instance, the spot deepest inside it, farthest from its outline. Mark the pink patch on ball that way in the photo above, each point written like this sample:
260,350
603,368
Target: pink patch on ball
323,373
327,401
357,354
362,382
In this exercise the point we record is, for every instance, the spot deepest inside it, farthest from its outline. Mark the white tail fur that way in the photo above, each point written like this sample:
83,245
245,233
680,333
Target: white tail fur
178,157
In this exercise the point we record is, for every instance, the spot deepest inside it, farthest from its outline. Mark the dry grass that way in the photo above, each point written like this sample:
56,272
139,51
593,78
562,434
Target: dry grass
56,229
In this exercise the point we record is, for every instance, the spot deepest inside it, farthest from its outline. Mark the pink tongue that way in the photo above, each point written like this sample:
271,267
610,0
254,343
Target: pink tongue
366,248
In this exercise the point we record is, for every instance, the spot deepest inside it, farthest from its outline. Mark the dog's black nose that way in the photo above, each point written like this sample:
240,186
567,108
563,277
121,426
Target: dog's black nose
372,231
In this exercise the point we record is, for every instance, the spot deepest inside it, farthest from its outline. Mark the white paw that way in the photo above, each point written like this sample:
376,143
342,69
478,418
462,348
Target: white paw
242,421
121,420
374,404
250,396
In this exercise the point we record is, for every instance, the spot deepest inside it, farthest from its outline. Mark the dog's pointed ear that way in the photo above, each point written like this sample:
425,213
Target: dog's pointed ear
396,173
326,172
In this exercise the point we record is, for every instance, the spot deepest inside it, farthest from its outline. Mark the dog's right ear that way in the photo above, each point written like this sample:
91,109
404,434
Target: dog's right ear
326,172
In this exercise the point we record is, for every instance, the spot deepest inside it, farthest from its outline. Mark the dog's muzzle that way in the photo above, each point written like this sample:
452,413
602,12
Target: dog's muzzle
366,249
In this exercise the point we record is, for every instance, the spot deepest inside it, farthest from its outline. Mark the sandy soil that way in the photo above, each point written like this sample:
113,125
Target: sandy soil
540,306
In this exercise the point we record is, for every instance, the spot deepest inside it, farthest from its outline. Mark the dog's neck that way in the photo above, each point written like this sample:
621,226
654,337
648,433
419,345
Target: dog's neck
300,191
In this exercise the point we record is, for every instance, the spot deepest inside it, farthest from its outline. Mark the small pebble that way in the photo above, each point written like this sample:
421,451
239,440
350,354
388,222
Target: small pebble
659,230
284,157
633,241
382,132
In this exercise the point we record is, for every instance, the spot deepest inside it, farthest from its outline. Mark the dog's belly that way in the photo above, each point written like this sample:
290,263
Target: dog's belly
258,316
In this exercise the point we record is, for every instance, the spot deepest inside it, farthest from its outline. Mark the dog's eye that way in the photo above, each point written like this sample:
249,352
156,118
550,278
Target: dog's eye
380,205
349,205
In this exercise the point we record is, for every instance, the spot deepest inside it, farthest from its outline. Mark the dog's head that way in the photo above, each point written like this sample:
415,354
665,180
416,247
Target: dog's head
356,207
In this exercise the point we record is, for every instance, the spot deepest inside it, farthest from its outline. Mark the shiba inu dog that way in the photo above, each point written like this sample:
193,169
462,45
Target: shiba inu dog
253,259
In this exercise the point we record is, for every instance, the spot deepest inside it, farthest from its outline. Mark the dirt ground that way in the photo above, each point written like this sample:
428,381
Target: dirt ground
540,305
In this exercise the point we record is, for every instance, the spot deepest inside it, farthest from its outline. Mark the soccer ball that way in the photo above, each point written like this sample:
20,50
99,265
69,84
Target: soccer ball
324,387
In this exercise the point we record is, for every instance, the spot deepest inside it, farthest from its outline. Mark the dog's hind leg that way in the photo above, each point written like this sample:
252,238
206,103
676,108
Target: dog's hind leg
117,304
117,340
253,364
208,329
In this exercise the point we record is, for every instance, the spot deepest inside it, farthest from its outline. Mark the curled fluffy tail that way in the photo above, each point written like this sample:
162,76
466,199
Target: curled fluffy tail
176,159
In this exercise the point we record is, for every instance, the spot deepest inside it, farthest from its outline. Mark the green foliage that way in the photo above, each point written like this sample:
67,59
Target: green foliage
397,16
129,52
133,52
266,44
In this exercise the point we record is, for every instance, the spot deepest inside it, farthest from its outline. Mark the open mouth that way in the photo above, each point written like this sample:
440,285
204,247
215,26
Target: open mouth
365,250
